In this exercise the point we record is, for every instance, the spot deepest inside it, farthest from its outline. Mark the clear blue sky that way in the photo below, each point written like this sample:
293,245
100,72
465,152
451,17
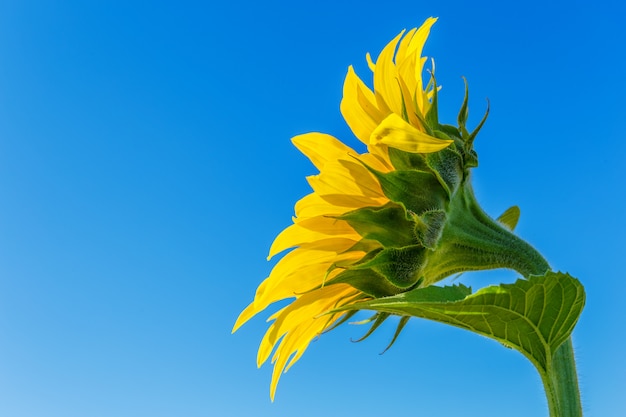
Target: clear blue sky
145,168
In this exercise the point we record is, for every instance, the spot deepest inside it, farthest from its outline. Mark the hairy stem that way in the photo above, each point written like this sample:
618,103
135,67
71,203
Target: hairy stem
471,240
561,383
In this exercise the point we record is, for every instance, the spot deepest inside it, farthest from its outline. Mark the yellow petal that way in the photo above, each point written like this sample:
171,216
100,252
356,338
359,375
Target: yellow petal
245,315
348,178
358,107
370,63
397,133
299,271
296,261
376,160
388,96
298,324
321,148
410,105
313,205
410,63
419,39
352,202
379,155
409,75
403,46
311,230
296,275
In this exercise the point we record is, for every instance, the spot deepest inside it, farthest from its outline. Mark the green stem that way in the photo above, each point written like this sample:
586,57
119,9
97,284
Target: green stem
561,383
470,241
473,241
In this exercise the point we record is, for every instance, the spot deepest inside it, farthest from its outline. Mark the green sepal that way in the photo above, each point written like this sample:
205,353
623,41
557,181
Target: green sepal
452,132
403,321
432,116
470,159
418,191
402,161
400,266
533,316
472,136
365,245
510,217
367,320
367,281
341,321
447,165
440,134
387,224
429,227
421,119
379,319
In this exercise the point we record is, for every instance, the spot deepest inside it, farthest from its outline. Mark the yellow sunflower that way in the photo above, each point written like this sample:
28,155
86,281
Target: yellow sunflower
367,228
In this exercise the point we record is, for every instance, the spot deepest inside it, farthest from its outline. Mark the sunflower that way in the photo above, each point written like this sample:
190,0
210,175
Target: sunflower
373,219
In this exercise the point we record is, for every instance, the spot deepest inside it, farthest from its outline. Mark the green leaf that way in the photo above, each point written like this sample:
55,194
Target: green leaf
533,316
510,217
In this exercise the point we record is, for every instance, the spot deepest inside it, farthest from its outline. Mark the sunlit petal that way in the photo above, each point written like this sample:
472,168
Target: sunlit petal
358,107
397,133
321,148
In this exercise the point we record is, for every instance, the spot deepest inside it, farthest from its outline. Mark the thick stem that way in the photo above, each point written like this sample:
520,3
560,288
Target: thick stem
472,241
561,383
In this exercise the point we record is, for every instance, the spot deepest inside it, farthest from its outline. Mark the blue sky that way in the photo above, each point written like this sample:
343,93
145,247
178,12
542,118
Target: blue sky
145,168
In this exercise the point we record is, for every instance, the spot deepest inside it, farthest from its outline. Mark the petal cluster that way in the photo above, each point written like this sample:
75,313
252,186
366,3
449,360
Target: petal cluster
365,229
393,114
324,246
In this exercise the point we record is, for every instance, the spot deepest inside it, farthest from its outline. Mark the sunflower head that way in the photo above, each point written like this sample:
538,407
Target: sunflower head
375,220
427,163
